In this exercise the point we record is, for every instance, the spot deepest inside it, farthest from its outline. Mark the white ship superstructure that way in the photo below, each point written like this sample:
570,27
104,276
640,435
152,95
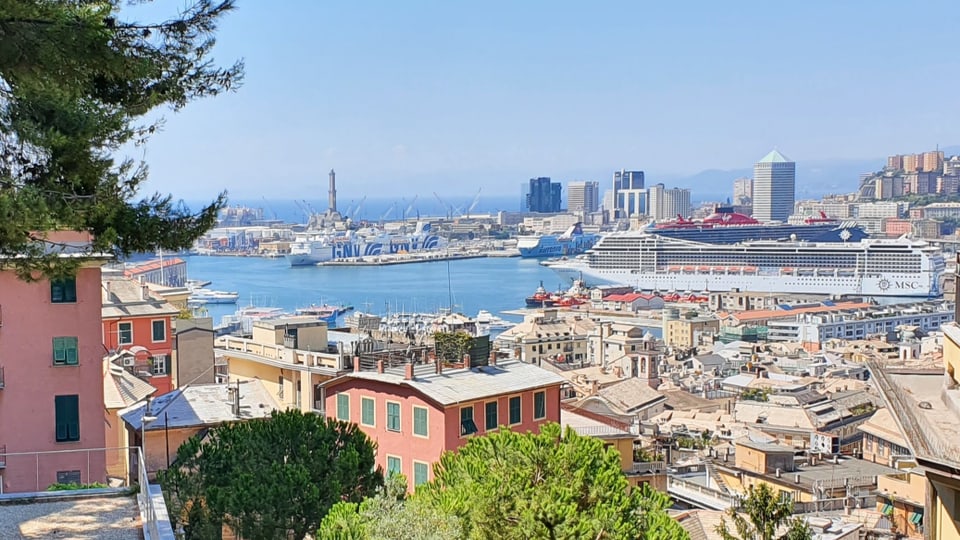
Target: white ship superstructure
875,267
314,247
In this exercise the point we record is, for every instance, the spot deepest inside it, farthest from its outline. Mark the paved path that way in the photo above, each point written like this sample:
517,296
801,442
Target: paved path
106,518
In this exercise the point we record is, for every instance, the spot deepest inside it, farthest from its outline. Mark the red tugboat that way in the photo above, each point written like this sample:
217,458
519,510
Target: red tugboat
540,298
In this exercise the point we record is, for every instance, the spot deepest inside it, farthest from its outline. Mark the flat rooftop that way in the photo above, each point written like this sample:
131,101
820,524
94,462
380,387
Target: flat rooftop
103,518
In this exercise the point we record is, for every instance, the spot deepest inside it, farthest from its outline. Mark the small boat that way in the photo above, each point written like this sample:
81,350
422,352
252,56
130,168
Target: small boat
208,296
327,314
540,298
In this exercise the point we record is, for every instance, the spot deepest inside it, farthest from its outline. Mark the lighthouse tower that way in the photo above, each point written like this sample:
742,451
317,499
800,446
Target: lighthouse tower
332,194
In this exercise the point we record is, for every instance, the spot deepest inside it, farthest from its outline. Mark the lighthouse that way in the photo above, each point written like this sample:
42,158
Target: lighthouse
332,194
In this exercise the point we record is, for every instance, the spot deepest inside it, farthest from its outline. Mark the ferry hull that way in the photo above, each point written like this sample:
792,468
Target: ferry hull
898,285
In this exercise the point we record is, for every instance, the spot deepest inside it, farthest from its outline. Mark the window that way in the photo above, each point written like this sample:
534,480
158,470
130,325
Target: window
421,473
490,415
343,407
65,351
160,364
63,291
420,426
394,465
515,410
367,413
393,416
67,410
125,333
539,405
159,330
280,386
467,425
68,477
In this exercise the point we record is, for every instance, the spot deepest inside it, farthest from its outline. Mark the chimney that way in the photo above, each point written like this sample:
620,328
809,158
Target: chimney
493,358
356,363
439,365
379,366
594,387
408,372
144,293
796,478
617,372
466,361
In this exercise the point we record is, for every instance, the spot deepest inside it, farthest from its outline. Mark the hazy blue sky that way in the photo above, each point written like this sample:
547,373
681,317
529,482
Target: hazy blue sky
405,96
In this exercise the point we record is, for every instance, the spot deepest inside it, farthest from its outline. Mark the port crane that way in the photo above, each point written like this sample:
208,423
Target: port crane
389,212
446,207
356,211
409,208
474,203
270,208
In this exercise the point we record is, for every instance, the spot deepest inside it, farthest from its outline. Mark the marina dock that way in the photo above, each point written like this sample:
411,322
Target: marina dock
413,258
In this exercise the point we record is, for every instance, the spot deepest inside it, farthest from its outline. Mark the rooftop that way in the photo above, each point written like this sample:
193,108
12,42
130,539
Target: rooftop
204,405
122,389
629,395
457,385
126,298
775,157
107,518
583,425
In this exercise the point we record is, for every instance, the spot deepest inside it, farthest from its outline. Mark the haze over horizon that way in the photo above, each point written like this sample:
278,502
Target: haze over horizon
412,98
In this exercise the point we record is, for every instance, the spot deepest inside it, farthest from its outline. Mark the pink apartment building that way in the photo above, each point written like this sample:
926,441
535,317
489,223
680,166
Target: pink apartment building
415,413
51,379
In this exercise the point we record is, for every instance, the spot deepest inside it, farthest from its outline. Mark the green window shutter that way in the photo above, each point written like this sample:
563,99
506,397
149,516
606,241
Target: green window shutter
159,330
67,409
515,410
72,350
367,414
56,291
539,405
420,421
490,416
63,290
394,465
421,473
59,351
467,425
343,407
393,416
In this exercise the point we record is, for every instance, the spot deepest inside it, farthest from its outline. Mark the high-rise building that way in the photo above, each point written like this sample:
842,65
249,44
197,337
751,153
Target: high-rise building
543,195
774,187
666,204
583,197
743,191
629,196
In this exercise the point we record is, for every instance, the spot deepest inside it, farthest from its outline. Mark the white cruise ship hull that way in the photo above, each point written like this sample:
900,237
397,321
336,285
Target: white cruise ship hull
887,285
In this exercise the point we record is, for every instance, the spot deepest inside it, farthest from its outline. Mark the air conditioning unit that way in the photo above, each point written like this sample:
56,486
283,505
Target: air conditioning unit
221,379
129,361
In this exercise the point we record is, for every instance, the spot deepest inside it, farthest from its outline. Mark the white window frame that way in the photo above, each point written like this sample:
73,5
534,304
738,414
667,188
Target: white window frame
386,416
159,360
120,333
165,331
364,399
413,472
414,420
398,458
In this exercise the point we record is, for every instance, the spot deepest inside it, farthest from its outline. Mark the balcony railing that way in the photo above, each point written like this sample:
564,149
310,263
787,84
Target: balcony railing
648,467
3,456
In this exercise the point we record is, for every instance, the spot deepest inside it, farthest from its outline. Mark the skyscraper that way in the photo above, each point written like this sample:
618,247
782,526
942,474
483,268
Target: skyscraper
583,197
629,197
666,204
743,191
774,187
543,195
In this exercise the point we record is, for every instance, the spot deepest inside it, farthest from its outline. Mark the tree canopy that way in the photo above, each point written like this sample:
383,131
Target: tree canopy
761,515
76,85
555,484
266,477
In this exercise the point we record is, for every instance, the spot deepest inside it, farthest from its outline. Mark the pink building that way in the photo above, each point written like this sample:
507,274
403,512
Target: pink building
51,379
416,413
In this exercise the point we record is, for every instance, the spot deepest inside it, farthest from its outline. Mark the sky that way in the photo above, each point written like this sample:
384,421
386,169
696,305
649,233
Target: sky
421,96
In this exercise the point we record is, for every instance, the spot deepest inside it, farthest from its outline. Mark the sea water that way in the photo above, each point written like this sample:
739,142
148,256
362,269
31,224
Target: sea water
494,284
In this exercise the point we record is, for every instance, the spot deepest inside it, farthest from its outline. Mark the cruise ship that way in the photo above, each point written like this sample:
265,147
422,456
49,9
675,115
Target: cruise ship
311,248
874,267
725,226
572,242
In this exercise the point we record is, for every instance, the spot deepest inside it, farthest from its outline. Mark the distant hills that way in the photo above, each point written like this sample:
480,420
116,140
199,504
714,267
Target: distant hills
814,178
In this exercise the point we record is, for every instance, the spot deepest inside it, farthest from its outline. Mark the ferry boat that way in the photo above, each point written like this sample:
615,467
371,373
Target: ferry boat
874,267
572,242
315,247
725,226
207,296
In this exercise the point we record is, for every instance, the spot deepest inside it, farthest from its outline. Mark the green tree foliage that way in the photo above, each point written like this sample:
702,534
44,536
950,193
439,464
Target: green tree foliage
389,516
76,86
555,484
761,515
451,346
265,477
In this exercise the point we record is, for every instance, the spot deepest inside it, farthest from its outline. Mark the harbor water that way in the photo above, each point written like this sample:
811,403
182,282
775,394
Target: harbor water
493,284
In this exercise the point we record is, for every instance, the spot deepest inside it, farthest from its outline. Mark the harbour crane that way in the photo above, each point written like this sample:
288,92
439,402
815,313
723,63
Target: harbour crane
410,207
356,211
389,212
476,201
446,207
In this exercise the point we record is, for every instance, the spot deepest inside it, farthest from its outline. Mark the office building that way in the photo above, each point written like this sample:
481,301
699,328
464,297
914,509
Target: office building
774,187
583,197
743,191
543,195
666,204
629,196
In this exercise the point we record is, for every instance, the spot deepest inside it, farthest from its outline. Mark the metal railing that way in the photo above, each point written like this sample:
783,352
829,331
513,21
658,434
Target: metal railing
93,464
708,497
647,467
153,509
